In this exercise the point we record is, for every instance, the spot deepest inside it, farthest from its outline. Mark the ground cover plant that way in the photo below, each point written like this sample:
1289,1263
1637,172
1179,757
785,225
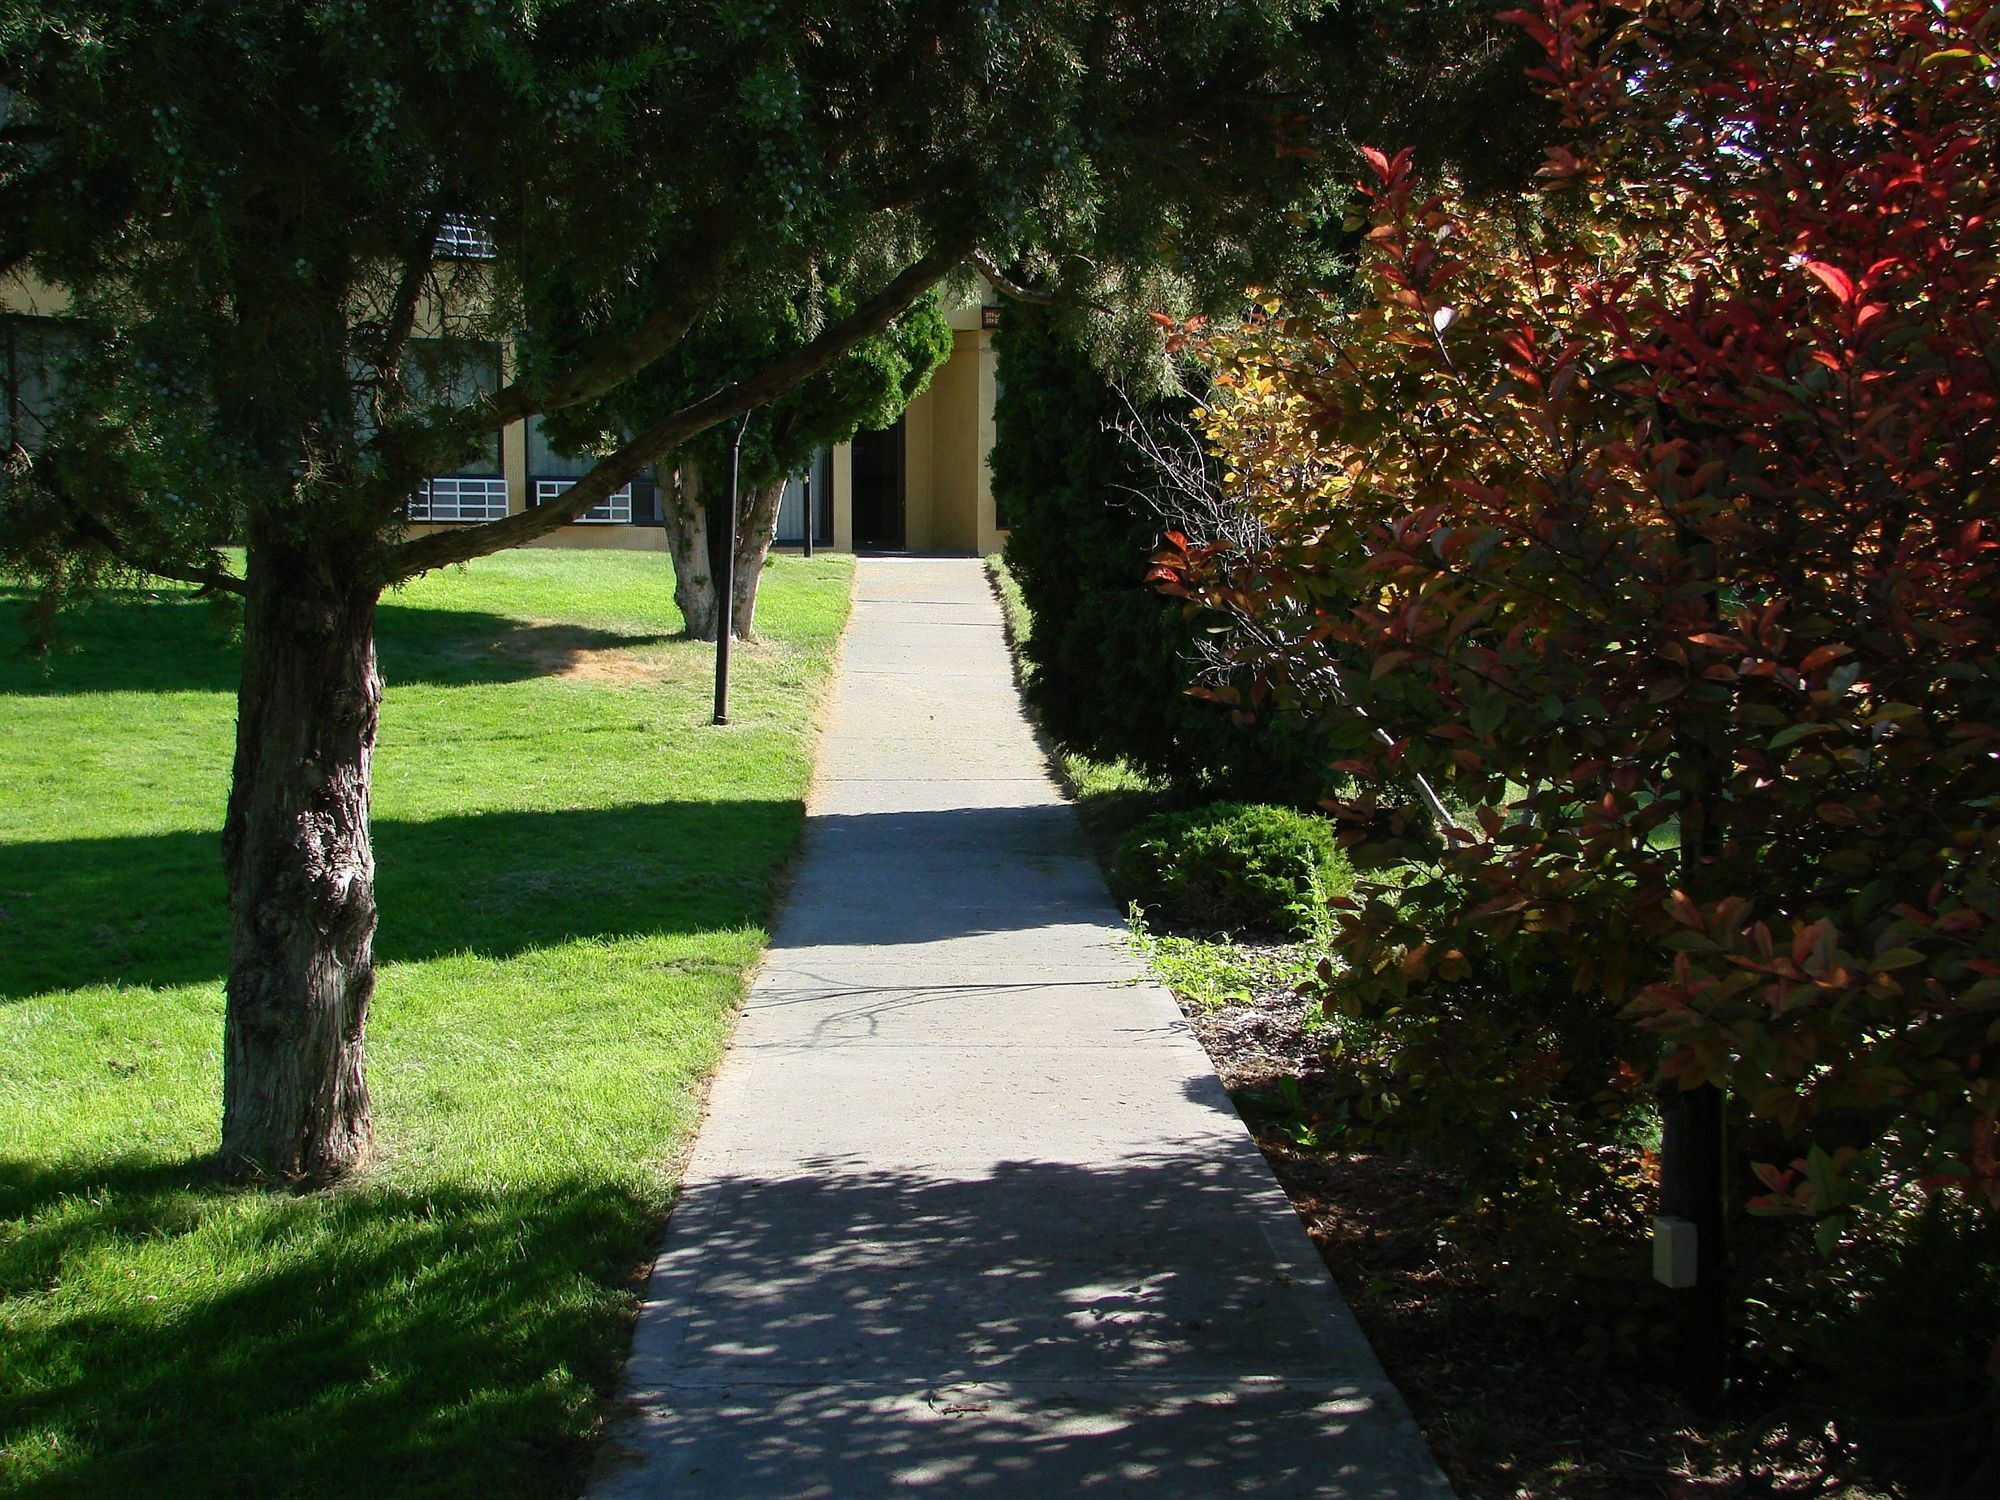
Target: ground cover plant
1651,521
577,872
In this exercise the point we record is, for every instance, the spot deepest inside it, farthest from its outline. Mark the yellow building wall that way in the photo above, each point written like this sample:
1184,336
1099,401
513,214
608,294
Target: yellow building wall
918,472
843,497
956,457
602,538
947,492
513,444
22,293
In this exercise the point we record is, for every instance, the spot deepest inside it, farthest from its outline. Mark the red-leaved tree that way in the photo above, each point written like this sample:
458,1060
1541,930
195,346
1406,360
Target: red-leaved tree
1654,522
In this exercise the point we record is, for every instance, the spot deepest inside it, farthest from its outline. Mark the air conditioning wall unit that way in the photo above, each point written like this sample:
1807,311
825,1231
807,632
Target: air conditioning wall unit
614,508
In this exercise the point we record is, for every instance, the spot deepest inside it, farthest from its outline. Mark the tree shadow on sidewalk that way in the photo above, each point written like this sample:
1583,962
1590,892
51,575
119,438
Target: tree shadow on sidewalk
1039,1328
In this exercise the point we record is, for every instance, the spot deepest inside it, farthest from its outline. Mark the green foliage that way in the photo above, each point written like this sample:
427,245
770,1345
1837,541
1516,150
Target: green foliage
1112,796
1649,520
1108,657
1483,1059
1213,971
866,389
240,204
1721,712
1234,865
1924,1282
646,173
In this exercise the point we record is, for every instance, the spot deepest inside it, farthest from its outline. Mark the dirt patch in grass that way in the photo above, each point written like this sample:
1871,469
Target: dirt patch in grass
549,648
597,665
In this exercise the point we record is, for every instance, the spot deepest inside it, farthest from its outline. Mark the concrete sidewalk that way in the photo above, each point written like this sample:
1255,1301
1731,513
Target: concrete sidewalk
970,1213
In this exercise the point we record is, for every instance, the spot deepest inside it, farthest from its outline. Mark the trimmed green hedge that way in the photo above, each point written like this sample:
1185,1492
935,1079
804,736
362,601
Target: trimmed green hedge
1110,660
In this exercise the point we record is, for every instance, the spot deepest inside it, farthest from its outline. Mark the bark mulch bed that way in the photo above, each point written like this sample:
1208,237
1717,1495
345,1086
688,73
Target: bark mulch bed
1510,1409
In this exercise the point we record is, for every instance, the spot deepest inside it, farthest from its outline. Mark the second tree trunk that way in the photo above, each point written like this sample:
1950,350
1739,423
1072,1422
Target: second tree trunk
693,522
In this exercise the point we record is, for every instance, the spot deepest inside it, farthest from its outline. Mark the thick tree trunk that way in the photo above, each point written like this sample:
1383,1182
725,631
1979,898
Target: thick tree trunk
756,525
696,499
685,517
301,872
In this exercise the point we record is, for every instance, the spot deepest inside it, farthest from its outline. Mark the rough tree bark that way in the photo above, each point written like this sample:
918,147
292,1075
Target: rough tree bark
301,870
756,526
695,499
684,512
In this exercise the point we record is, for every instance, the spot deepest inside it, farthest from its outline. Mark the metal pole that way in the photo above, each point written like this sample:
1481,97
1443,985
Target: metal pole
725,588
811,497
1691,1193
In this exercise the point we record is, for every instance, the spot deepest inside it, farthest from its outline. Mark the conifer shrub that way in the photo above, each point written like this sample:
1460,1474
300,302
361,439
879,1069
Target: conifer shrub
1108,662
1232,866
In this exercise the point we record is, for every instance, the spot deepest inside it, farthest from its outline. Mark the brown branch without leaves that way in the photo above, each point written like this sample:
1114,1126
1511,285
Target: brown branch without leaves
402,320
1007,287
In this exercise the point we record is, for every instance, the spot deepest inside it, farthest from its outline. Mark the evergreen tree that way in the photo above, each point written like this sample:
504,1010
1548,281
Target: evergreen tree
243,201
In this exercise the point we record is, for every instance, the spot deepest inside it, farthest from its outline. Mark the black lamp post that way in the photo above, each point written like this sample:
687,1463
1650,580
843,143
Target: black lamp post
725,589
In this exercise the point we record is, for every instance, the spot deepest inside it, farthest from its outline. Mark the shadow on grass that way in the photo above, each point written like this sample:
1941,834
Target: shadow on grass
362,1342
188,646
151,909
372,1342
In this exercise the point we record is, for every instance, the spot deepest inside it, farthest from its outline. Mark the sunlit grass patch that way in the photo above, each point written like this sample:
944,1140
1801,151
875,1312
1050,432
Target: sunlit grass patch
575,873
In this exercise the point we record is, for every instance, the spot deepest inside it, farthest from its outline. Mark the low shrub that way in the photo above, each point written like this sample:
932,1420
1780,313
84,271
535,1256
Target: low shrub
1233,866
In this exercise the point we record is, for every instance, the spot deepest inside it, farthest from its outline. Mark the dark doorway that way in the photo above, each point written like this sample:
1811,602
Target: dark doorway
878,489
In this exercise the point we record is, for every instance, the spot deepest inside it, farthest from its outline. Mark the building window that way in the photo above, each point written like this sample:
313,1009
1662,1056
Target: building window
32,353
810,492
455,373
463,237
454,497
550,473
617,506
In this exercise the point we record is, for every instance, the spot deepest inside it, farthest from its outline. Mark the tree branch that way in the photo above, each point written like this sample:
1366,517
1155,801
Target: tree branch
616,358
93,528
402,321
1008,287
619,468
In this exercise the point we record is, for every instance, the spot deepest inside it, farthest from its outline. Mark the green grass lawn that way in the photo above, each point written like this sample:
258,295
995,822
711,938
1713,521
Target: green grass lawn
574,874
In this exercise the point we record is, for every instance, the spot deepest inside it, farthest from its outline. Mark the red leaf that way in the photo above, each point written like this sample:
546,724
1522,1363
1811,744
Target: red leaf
1684,911
1833,279
1776,1178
